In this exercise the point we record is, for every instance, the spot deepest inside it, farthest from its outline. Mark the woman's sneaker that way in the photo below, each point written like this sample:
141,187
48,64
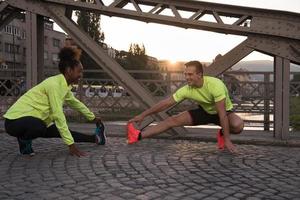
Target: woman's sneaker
25,147
100,134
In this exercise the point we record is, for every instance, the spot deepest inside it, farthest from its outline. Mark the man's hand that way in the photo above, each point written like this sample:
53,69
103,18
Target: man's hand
75,151
138,119
230,146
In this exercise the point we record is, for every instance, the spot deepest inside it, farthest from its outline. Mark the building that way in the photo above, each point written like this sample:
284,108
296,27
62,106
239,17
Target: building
13,47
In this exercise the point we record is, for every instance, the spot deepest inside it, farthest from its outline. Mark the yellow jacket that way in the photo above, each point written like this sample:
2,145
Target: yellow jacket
45,101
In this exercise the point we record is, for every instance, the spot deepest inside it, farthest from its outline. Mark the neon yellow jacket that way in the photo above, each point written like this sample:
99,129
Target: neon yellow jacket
45,101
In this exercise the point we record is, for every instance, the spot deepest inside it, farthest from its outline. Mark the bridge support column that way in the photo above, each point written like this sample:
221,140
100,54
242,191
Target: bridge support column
34,49
282,94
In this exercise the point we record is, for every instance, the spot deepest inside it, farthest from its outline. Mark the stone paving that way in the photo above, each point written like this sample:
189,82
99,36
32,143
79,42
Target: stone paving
152,169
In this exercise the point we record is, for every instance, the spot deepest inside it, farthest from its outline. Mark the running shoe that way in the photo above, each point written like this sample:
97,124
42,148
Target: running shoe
100,133
132,134
25,147
220,139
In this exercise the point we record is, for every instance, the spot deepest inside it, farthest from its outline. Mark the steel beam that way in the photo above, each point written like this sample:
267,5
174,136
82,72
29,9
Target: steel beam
7,14
265,22
274,46
3,5
7,17
285,99
40,48
29,5
108,64
281,114
223,63
31,50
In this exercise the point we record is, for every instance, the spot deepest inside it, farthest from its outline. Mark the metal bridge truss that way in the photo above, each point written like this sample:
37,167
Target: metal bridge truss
275,33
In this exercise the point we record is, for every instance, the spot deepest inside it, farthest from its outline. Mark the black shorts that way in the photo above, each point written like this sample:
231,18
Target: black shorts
201,117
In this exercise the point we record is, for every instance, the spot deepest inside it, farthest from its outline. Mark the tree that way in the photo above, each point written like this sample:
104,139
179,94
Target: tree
136,58
90,23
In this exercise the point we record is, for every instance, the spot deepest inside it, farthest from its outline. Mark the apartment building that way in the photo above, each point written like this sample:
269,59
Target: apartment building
13,47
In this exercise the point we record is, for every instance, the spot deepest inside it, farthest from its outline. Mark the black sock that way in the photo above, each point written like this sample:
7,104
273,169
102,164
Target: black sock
222,131
140,136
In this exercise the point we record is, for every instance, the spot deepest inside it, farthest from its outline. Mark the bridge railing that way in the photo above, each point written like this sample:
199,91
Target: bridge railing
252,93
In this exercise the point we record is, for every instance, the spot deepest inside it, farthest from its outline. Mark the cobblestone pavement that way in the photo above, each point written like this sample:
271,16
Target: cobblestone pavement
152,169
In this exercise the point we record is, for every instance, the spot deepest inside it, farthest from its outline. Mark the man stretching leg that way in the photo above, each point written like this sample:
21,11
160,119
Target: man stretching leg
214,107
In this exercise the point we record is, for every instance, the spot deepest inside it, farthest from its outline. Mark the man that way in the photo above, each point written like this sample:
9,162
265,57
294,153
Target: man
39,112
214,107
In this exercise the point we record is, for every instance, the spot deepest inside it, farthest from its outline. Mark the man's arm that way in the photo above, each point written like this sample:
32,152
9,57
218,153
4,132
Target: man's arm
160,106
221,109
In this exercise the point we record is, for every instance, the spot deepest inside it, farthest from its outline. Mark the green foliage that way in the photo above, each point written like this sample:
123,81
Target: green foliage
295,113
135,58
90,23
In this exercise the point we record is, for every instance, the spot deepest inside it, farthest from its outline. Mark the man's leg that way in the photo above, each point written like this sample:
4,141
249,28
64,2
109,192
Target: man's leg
52,132
182,119
236,124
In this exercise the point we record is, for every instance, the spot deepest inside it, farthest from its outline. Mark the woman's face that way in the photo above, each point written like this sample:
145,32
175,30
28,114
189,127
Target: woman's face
75,74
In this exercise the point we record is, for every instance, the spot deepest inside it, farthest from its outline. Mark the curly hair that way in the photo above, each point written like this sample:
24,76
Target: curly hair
68,57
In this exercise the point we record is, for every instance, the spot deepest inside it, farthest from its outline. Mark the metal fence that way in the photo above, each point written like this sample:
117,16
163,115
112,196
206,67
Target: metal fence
252,93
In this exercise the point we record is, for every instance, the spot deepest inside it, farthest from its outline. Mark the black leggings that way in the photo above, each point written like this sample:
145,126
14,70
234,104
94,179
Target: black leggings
30,128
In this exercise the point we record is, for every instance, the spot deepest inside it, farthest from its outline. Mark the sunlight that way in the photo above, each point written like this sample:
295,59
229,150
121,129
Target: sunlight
172,62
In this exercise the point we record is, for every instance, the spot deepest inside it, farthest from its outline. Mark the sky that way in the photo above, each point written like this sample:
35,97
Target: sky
178,44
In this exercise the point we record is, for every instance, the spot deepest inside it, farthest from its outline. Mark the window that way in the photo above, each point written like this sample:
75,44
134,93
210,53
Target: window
10,48
8,29
48,25
55,57
23,35
13,30
17,49
3,65
56,42
45,55
16,31
45,39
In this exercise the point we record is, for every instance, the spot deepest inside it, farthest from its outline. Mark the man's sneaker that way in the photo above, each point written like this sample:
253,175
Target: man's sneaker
25,147
100,134
220,139
132,134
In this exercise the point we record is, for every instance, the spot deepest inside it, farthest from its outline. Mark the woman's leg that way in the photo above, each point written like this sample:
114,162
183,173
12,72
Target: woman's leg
26,128
52,132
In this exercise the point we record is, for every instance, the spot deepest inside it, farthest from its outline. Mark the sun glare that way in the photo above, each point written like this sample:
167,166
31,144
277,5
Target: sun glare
172,62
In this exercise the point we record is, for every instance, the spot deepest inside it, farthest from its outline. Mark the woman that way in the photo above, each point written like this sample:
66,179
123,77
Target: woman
39,112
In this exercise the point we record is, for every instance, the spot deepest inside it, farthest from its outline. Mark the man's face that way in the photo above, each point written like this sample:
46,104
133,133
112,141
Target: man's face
191,76
76,73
